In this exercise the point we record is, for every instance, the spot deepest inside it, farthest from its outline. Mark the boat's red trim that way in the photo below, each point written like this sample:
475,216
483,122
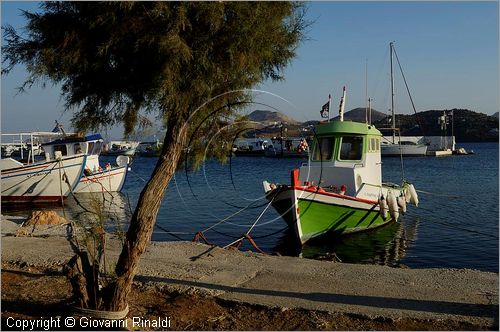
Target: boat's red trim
24,169
320,191
93,178
326,193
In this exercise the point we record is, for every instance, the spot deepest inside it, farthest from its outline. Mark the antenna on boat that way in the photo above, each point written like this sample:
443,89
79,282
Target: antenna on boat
369,111
366,91
329,105
342,104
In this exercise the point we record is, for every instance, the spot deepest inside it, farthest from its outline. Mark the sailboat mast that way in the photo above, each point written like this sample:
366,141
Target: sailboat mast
392,98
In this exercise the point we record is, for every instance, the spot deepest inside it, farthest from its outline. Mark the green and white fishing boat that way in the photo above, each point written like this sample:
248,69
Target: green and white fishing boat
340,189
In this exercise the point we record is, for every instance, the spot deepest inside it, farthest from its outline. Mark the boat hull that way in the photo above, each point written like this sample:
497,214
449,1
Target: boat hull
114,153
275,153
313,214
42,182
393,150
249,153
105,181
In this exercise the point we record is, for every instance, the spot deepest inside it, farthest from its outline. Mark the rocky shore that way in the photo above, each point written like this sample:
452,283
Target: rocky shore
307,294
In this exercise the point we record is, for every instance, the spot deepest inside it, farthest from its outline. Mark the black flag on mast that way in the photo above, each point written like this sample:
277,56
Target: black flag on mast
325,110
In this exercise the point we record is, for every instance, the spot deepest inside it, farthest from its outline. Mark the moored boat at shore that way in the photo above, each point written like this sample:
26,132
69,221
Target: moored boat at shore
44,181
94,177
340,189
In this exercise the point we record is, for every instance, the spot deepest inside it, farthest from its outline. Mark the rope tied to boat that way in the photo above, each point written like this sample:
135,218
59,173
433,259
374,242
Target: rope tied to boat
237,243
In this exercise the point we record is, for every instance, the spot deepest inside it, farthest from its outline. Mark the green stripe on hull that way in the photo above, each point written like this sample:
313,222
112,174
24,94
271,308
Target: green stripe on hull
317,218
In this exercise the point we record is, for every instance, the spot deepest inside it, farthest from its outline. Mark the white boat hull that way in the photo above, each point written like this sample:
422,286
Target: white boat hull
49,181
104,181
405,150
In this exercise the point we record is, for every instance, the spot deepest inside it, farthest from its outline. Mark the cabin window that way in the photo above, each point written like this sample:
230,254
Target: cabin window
323,149
77,148
351,148
91,147
97,148
62,148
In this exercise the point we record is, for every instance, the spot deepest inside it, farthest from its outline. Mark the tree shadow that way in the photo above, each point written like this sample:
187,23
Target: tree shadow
440,307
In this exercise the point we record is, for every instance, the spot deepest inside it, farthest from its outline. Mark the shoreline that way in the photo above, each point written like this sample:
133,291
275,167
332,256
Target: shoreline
463,298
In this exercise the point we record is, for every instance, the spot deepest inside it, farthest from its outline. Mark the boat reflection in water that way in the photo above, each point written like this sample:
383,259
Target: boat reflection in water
383,246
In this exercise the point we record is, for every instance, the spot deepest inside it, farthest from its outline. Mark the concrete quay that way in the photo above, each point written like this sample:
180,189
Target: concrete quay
377,292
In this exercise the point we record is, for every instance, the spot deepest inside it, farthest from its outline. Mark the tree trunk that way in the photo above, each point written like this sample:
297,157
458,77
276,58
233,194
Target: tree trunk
144,217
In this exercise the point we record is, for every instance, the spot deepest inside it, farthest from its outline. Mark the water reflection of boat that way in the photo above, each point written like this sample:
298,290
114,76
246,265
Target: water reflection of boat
113,207
386,245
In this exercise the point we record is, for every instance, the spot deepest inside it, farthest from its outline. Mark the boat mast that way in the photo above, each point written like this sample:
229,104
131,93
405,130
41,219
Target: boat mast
392,98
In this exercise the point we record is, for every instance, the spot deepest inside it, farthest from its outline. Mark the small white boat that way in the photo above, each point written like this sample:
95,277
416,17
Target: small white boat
405,148
94,177
250,147
120,148
50,180
398,146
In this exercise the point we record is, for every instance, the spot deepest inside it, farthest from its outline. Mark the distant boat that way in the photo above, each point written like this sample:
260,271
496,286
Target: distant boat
251,147
95,178
293,147
402,147
149,149
120,148
49,180
399,147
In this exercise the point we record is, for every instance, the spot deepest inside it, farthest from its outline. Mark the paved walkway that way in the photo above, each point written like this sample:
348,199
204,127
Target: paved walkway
289,282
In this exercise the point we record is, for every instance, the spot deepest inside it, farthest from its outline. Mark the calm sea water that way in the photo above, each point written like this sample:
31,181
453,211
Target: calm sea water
455,225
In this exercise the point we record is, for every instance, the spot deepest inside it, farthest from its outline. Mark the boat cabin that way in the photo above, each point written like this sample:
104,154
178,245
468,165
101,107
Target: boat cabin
71,145
90,145
344,154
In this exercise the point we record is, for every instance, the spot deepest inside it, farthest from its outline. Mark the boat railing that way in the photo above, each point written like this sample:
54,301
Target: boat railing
31,139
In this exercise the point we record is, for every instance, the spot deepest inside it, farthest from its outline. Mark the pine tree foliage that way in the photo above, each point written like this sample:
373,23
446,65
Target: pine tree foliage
189,63
117,60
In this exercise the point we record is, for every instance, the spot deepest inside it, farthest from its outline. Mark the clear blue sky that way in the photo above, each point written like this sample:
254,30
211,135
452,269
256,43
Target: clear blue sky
448,50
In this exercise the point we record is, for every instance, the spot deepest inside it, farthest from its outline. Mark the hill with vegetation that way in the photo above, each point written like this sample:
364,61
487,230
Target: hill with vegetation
359,115
468,126
270,117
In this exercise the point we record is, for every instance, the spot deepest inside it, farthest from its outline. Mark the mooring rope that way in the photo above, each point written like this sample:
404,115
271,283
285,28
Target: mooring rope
247,234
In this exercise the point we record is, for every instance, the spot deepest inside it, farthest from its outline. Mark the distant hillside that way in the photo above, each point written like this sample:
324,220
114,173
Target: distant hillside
359,115
495,115
468,126
269,117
